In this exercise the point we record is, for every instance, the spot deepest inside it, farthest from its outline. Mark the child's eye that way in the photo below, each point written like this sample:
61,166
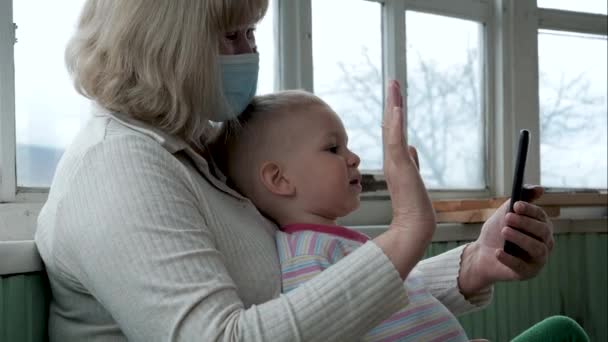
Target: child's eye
333,149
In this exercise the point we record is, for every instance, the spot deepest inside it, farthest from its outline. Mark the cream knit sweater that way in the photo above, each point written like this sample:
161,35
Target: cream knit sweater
141,242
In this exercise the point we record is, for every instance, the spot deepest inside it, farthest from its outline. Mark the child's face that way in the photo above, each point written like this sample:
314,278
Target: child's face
325,172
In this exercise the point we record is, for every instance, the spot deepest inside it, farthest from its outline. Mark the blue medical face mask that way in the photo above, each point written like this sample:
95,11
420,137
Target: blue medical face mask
240,80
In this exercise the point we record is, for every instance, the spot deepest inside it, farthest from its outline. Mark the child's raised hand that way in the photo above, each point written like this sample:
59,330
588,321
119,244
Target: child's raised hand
409,197
413,215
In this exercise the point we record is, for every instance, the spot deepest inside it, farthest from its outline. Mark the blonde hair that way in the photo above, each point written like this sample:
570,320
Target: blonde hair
265,108
157,60
243,143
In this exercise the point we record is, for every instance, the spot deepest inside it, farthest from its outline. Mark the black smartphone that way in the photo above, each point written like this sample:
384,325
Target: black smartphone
517,190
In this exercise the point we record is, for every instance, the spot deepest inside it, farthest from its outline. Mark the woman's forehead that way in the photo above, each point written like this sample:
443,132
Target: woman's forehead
238,14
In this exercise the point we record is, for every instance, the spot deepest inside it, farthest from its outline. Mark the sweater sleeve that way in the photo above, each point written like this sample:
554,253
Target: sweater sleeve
441,276
140,245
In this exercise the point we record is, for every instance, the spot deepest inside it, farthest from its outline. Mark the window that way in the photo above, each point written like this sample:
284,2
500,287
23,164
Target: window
264,35
475,76
347,63
573,110
573,95
445,102
590,6
48,110
444,79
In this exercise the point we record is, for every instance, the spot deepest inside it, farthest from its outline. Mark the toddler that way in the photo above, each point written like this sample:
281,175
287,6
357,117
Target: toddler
289,154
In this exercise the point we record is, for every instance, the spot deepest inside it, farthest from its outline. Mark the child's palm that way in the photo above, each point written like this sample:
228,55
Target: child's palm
412,208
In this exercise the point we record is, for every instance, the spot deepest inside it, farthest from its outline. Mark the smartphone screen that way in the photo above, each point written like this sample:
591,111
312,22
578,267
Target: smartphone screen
517,190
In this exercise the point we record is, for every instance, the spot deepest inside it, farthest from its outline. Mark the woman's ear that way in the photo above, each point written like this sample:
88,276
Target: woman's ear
274,180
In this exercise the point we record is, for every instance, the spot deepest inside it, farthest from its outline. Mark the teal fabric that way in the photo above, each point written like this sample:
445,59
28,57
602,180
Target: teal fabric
24,302
554,329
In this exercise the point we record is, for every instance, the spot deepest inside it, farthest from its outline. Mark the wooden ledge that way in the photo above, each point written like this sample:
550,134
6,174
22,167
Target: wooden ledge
479,210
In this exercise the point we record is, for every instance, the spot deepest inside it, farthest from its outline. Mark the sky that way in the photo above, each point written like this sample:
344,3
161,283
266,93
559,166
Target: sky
50,112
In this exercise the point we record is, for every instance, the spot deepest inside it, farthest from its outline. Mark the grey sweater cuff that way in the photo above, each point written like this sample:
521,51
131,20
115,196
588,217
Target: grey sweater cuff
441,276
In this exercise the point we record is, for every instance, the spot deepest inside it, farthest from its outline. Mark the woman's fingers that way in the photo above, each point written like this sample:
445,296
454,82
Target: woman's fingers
520,268
533,220
530,210
528,227
531,193
531,226
536,249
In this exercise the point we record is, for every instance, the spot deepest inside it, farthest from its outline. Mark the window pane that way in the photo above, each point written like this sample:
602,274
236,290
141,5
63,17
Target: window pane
347,60
49,112
264,36
573,125
589,6
445,121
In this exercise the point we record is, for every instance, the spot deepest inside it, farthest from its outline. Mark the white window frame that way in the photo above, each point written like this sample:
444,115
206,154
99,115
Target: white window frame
394,42
571,22
517,104
375,206
8,142
295,25
511,84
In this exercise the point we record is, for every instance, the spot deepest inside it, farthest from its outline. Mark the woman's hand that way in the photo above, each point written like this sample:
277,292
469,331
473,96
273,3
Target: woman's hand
485,262
413,221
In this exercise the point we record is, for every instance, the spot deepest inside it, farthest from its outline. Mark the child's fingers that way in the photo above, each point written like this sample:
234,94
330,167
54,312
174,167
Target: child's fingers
414,155
397,95
395,144
393,99
394,136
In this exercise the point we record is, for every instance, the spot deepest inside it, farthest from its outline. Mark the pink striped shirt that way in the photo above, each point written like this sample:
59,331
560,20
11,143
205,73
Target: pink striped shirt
305,250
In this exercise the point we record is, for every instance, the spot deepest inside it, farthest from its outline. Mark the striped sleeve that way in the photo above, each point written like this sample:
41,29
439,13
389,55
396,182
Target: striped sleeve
305,254
300,269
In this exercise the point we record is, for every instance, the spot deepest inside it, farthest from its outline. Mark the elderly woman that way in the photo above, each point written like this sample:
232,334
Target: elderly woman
143,239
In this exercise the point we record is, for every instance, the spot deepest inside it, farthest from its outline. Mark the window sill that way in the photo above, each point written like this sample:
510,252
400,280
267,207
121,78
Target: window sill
446,232
18,253
19,257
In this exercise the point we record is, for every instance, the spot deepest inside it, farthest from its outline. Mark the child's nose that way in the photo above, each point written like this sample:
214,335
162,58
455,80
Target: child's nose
354,160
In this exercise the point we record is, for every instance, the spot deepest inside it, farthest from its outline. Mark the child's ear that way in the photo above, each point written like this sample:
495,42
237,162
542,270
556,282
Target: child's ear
275,181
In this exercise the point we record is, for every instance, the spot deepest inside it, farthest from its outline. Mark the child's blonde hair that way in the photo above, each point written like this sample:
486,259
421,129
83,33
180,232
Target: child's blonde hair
265,108
157,60
247,140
